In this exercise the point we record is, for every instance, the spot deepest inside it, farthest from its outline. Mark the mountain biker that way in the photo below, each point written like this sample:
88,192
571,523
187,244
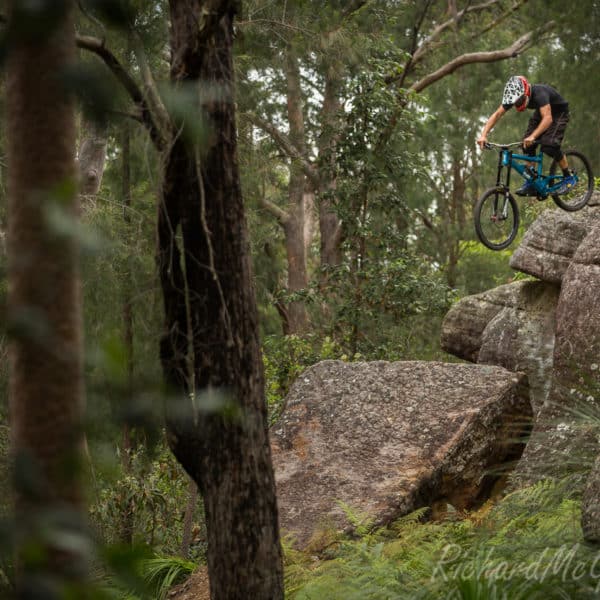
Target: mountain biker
546,127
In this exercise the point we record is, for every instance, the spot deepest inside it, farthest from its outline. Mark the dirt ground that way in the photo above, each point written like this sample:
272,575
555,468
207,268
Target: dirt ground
195,588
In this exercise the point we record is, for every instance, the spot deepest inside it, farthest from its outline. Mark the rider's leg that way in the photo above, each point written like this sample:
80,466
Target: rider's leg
558,155
534,121
528,188
552,138
563,163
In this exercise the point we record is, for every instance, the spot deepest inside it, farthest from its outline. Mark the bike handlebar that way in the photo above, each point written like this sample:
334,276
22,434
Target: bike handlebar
490,145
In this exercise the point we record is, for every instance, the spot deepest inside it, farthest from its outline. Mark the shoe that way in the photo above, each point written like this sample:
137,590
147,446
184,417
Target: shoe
527,189
567,184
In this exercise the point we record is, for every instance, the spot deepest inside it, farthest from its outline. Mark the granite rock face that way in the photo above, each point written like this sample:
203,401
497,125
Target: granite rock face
387,438
560,435
510,326
551,242
550,330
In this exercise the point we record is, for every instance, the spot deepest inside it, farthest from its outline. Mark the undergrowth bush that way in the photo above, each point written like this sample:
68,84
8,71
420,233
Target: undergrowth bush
151,498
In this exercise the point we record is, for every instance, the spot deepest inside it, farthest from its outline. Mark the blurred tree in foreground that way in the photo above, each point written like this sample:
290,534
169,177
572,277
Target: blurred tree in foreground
46,383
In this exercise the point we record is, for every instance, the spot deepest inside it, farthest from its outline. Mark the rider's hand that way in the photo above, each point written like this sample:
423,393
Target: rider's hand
528,141
482,141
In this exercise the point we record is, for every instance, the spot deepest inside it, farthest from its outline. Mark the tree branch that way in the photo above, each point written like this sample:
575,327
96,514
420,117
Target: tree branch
427,222
97,46
151,92
516,6
415,36
275,210
425,47
479,57
287,147
418,54
353,7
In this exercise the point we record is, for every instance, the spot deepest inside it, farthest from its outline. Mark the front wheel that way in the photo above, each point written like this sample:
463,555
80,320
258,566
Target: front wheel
577,196
496,218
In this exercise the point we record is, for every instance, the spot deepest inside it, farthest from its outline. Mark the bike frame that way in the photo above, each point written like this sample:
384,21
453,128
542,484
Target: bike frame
544,185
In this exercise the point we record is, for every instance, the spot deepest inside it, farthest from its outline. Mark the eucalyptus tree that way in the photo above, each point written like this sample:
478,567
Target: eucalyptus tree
210,353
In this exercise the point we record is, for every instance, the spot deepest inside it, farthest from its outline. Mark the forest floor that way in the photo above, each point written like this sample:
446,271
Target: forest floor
195,588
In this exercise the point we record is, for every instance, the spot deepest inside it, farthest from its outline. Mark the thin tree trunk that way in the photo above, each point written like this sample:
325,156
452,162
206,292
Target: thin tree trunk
329,222
127,525
294,227
46,384
209,299
188,519
456,220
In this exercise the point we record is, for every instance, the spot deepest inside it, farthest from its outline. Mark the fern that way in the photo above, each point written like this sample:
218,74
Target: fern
162,573
151,578
525,546
362,522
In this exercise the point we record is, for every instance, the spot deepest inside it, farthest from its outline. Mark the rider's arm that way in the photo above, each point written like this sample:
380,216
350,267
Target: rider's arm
496,116
546,121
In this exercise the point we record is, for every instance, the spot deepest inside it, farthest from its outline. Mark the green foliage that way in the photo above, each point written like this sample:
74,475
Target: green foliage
373,306
527,545
382,279
149,498
133,574
483,269
162,573
404,195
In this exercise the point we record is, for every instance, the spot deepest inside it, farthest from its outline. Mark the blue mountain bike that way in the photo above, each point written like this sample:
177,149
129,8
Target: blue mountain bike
496,213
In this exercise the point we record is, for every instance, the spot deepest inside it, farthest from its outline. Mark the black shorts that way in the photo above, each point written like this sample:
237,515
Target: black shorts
552,138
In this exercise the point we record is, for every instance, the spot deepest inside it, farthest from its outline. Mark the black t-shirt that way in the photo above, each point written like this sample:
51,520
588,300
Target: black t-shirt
542,94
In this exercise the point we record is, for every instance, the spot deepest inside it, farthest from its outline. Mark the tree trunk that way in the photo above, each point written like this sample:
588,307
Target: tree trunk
294,227
188,519
297,320
46,384
329,222
456,220
212,322
92,156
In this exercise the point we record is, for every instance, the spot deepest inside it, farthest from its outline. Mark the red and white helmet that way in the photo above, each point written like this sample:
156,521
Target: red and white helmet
517,91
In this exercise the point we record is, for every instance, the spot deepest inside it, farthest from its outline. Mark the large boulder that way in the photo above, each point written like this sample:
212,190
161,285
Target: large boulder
465,322
561,441
510,326
552,240
387,438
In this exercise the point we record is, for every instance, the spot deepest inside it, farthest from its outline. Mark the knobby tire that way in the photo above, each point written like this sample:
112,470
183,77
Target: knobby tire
485,223
580,196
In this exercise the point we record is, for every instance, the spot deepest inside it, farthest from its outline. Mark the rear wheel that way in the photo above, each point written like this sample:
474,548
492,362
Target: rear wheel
496,218
577,197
